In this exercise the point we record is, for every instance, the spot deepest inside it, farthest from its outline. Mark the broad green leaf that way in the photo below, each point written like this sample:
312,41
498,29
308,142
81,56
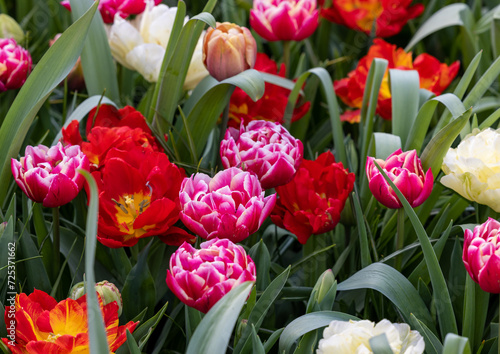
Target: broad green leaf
268,344
405,94
44,240
98,67
363,235
193,318
432,343
454,344
132,344
145,329
392,284
450,15
54,66
257,347
380,345
260,255
484,23
436,149
307,323
97,333
384,144
214,331
308,343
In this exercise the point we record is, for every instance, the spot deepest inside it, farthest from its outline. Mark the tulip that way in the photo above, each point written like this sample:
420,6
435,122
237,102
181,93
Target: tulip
15,64
49,175
406,172
434,76
312,202
200,278
284,20
342,337
230,205
45,326
389,17
140,44
264,148
480,256
9,28
228,50
107,291
473,168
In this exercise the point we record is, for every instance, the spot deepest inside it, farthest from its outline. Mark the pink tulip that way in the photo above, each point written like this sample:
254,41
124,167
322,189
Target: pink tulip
124,8
481,255
230,205
48,175
284,20
15,64
264,148
200,278
405,170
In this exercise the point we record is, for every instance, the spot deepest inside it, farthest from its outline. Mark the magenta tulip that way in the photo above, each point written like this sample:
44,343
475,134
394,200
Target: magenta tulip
15,64
49,175
284,20
406,172
481,256
230,205
264,148
200,278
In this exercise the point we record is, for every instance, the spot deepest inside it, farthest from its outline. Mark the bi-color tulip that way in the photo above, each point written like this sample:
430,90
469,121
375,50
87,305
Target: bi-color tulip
15,64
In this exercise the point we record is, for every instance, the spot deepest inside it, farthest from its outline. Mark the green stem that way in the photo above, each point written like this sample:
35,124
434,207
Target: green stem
222,131
400,237
286,57
56,239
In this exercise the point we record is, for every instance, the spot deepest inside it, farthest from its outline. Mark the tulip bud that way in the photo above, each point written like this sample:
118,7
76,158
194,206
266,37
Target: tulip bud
228,50
323,294
15,64
9,28
106,290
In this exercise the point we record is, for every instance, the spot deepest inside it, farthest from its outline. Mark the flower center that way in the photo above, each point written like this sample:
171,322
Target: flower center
128,208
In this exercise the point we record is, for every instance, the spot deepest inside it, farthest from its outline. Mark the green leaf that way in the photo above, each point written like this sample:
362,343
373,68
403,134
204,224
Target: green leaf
484,23
392,284
432,343
260,255
54,66
257,347
308,323
132,344
454,344
268,344
366,259
448,16
433,155
380,345
144,330
97,333
214,331
405,91
384,144
98,66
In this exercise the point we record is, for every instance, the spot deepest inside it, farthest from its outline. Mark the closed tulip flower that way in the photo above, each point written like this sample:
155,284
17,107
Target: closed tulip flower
480,256
107,291
406,172
473,168
342,337
230,205
200,278
15,64
49,175
284,20
264,148
228,50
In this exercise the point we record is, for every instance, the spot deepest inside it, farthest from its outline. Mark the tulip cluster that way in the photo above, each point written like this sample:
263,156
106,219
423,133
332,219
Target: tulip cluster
15,64
434,76
200,278
45,326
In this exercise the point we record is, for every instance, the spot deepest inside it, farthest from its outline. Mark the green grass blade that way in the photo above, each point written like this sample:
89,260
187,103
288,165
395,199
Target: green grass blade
432,343
54,66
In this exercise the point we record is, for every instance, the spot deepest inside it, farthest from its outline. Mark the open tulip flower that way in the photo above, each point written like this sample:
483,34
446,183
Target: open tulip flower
434,76
230,205
49,175
284,20
264,148
481,255
389,17
228,50
200,278
45,326
473,168
312,202
406,172
15,64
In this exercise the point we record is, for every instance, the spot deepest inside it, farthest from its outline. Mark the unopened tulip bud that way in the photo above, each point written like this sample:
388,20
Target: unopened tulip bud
228,50
9,28
106,290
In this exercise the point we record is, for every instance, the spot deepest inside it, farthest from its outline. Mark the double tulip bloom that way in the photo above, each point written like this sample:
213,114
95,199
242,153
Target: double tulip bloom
43,325
200,278
481,255
406,172
15,64
312,202
264,148
49,175
228,50
284,20
229,205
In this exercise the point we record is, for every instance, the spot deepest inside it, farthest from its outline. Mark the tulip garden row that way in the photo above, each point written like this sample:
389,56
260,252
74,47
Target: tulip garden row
266,176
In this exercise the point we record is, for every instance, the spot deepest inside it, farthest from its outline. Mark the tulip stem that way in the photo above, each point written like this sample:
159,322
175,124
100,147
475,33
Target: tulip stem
286,57
222,132
400,238
56,239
